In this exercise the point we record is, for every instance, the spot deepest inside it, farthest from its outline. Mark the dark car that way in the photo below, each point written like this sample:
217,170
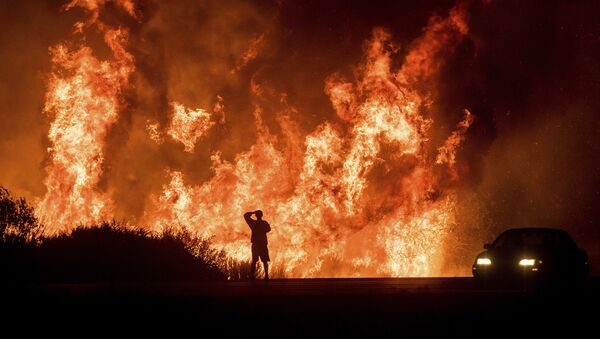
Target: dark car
531,254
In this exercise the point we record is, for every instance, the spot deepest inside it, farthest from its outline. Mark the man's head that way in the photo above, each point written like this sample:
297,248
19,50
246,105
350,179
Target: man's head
258,214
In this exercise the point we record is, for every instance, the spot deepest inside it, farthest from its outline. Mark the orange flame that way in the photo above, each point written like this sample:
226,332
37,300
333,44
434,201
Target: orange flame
83,96
250,54
447,153
329,216
187,125
358,196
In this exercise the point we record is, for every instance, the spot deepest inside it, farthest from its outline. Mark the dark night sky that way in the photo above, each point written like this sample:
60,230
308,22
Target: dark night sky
528,70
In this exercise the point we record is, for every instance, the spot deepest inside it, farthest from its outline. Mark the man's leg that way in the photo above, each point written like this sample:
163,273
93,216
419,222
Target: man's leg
266,265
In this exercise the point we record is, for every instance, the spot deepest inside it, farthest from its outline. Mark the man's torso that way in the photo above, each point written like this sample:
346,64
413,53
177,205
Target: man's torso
259,232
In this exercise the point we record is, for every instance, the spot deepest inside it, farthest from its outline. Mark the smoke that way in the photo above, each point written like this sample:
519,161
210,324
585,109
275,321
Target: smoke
24,59
532,155
185,53
327,195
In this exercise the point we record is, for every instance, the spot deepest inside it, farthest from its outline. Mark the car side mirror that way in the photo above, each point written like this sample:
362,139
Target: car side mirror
487,246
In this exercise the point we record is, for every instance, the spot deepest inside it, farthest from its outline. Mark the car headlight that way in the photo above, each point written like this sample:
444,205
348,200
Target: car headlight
527,262
484,261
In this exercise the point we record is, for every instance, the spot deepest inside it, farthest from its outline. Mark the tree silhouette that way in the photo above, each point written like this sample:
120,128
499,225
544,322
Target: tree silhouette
17,219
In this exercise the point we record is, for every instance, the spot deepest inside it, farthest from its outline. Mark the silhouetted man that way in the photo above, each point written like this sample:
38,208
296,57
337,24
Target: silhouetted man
259,228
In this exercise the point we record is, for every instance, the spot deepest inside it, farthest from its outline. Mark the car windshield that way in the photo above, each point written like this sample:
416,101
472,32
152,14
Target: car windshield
534,238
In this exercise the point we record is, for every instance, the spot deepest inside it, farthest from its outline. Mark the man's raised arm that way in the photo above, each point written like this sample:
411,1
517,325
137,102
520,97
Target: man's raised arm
247,217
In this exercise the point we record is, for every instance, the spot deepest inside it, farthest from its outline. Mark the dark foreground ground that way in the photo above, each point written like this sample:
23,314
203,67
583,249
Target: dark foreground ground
295,307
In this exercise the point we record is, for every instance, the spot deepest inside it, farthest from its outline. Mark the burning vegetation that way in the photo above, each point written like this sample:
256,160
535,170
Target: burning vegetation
364,193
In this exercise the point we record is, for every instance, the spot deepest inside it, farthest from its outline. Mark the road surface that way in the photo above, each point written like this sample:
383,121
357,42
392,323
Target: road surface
436,306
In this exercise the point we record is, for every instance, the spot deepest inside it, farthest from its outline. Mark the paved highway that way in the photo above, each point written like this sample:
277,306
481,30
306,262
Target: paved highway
436,306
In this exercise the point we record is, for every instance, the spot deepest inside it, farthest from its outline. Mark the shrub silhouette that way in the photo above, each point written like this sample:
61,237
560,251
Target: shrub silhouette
109,252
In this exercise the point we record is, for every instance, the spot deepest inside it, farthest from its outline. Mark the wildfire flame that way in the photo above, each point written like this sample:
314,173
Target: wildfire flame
188,125
358,196
324,212
84,98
